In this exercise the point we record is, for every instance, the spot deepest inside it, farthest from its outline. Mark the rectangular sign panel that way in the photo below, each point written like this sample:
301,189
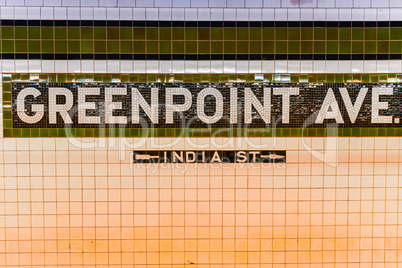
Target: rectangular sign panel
205,105
209,156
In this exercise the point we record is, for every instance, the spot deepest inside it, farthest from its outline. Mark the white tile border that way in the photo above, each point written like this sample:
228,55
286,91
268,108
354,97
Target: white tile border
200,14
181,66
256,4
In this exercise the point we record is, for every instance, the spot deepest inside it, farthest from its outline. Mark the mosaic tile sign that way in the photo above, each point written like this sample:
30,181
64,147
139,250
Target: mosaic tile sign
205,105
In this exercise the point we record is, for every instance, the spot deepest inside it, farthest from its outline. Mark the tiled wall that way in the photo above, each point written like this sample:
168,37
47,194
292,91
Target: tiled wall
79,201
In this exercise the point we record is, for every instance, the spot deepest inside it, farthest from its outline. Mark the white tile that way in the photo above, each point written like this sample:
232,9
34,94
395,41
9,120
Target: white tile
138,13
290,4
306,66
362,3
294,66
332,14
255,14
357,66
190,66
21,66
47,66
20,13
100,66
242,66
163,3
379,4
181,3
126,13
89,3
34,3
357,14
370,66
126,3
74,66
345,66
113,66
126,66
178,66
396,14
382,66
15,2
229,14
235,3
139,66
370,14
281,14
199,3
113,13
60,13
345,14
319,14
383,14
87,13
165,66
294,14
331,66
253,3
216,13
255,66
271,3
70,3
60,66
229,66
88,66
7,13
216,66
204,66
177,13
143,3
344,3
99,13
268,66
306,14
395,3
190,14
268,14
46,13
305,4
8,66
281,66
395,66
73,13
165,14
151,14
242,15
34,66
152,66
34,13
204,14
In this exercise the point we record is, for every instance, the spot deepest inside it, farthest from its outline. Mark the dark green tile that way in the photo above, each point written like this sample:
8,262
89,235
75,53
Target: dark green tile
364,132
35,132
382,131
312,132
52,132
43,132
356,132
7,133
17,132
373,132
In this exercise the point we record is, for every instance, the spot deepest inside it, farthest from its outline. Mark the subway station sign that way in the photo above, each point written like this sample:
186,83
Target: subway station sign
205,105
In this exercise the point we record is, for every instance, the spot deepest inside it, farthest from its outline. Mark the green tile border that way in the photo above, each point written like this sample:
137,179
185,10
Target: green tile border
197,132
8,131
200,40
